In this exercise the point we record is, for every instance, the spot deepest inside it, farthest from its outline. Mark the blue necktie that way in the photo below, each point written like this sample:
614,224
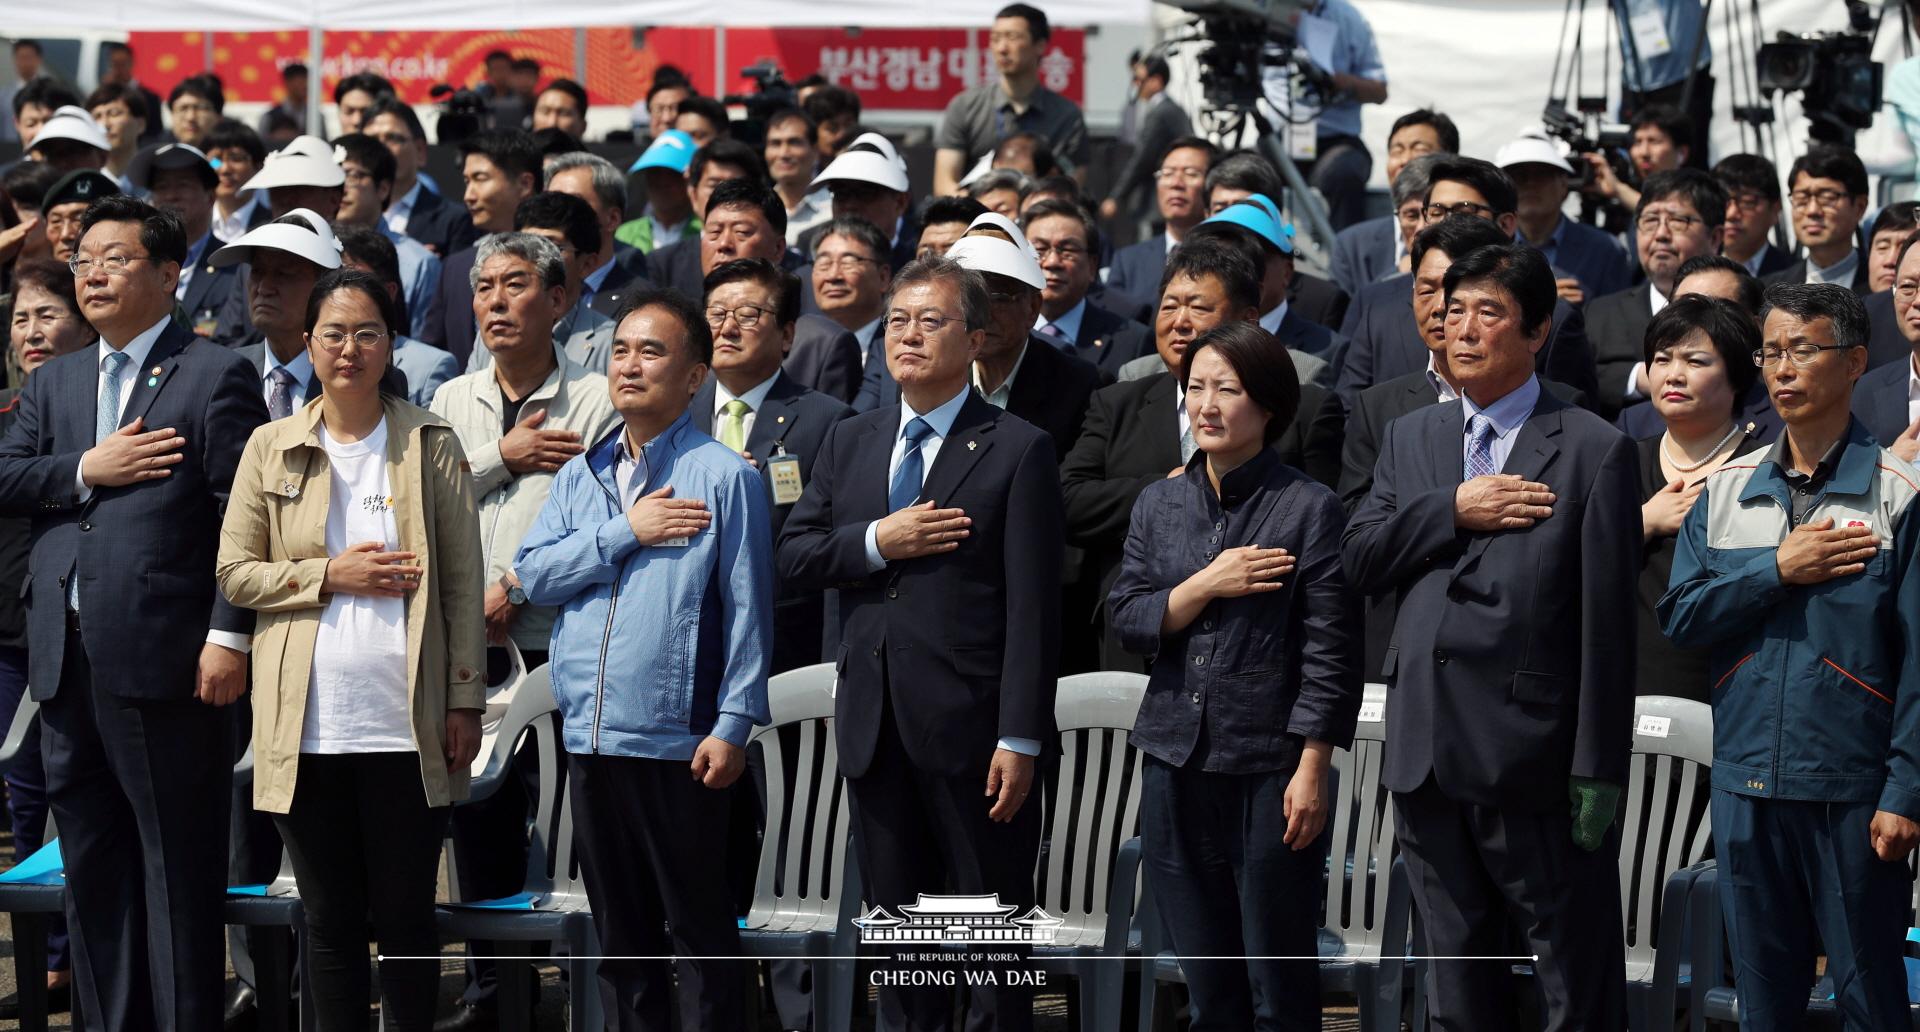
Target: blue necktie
906,479
106,419
1479,447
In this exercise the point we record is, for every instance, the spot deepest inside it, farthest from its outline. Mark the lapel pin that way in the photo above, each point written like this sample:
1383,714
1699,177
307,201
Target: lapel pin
155,371
971,445
290,489
153,381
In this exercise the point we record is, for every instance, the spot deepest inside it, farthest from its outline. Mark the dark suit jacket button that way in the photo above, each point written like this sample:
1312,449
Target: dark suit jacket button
893,592
85,526
876,651
1440,656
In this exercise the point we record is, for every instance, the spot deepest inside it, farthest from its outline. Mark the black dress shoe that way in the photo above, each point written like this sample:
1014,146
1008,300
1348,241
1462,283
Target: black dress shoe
467,1016
243,1008
59,1001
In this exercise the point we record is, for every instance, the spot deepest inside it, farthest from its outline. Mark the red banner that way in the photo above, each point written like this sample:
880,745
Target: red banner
895,69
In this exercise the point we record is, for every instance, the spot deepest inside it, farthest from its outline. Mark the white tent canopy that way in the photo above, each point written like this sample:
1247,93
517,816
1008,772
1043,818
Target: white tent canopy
263,15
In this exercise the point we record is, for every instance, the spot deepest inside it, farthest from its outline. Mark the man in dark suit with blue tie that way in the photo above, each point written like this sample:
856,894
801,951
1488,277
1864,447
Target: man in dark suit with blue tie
939,520
123,455
1499,520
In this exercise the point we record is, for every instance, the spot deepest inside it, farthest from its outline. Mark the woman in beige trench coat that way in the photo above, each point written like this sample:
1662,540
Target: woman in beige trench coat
351,530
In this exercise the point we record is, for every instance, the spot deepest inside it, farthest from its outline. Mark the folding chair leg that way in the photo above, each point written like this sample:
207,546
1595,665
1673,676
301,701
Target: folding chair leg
30,971
309,1017
583,980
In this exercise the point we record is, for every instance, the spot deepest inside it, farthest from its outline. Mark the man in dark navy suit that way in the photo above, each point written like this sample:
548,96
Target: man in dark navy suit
1067,243
1368,251
1587,262
939,521
123,454
1499,520
1180,193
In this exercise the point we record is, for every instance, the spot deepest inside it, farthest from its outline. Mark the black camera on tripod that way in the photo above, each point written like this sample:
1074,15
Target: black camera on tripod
771,93
1835,73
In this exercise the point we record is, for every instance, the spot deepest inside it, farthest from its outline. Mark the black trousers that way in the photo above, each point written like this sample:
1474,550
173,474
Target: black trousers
1477,872
140,790
366,847
926,833
1226,885
652,844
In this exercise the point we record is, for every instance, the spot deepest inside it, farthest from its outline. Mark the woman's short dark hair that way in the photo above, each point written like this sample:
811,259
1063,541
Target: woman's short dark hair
1751,289
784,285
1263,365
1519,270
688,312
1729,328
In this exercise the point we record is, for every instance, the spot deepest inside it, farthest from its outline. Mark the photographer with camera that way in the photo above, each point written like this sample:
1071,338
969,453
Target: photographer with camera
1336,32
1663,44
1661,138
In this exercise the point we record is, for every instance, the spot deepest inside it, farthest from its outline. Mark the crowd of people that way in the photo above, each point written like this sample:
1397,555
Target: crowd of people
306,454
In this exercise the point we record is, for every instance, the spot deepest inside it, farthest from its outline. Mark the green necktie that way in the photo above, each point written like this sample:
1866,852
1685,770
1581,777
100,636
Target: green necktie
733,424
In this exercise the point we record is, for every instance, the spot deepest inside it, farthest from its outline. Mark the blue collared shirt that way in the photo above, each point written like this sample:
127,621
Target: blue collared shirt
1508,414
1551,249
1354,52
590,283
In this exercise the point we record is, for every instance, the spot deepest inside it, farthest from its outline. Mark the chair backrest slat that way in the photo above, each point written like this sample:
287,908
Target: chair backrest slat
803,847
1093,713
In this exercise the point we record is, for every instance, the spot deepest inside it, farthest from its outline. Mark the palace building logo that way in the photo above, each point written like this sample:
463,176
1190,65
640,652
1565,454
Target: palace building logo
959,919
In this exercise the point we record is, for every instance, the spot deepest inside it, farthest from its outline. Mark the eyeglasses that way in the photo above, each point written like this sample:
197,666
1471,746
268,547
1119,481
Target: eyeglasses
930,323
1436,212
1748,202
1823,198
850,264
746,316
1650,222
333,341
1002,297
1803,355
114,264
1067,254
1191,175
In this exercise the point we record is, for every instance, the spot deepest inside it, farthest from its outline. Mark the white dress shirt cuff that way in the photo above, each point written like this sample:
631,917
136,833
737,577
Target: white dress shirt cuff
875,561
241,643
1023,746
81,492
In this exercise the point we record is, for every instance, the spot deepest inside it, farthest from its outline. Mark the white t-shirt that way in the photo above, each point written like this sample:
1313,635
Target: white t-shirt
357,697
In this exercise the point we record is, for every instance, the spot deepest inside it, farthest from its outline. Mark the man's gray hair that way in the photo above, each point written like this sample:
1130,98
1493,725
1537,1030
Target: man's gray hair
1809,301
531,248
974,303
608,184
1414,178
1001,179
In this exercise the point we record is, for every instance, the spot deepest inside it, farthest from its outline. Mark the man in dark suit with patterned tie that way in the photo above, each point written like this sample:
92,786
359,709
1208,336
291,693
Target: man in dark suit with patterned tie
1067,243
123,455
939,520
1500,520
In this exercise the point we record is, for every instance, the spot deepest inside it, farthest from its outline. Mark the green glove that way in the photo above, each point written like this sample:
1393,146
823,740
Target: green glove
1594,802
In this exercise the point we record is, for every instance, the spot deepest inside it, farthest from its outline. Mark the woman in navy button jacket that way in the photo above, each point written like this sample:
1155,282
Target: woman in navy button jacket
1231,583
